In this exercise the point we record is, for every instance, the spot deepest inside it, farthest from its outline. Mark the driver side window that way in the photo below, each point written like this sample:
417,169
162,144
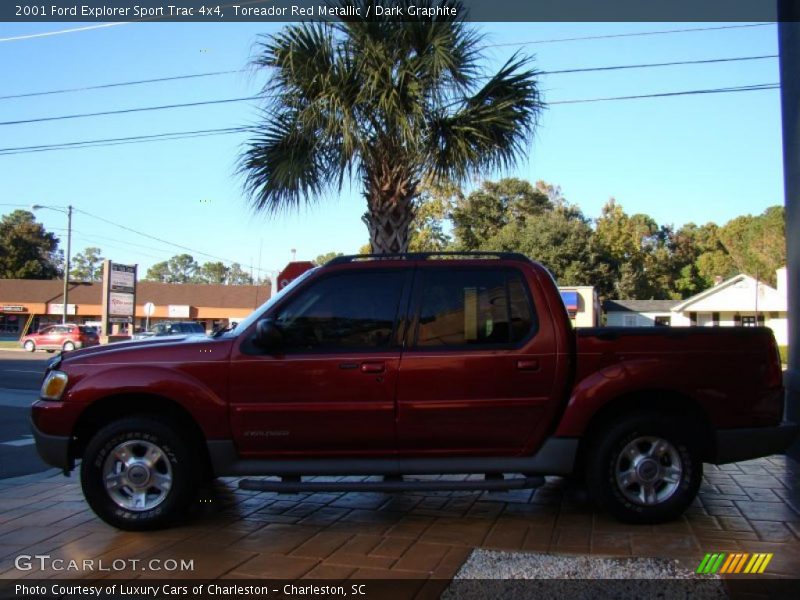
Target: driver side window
346,312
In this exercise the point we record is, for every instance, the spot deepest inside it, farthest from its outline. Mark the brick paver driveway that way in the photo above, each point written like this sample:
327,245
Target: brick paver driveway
752,506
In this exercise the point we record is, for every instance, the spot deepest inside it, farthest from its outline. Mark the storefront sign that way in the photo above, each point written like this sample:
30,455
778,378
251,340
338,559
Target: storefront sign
178,311
122,278
120,304
13,308
58,309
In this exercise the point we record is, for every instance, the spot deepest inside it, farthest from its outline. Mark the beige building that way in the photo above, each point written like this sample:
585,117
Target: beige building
582,305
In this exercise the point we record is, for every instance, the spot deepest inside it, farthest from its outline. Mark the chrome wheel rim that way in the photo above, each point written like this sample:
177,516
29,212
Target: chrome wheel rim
69,346
648,470
137,475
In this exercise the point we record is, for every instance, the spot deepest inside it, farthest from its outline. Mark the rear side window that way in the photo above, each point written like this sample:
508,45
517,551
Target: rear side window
473,308
349,311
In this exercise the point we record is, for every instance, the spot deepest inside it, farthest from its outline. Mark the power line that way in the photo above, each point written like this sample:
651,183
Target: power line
652,65
244,99
122,84
623,35
208,132
158,239
522,43
132,110
743,88
123,140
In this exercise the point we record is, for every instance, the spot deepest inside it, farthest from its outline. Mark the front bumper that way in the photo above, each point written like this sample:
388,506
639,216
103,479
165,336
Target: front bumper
53,449
734,445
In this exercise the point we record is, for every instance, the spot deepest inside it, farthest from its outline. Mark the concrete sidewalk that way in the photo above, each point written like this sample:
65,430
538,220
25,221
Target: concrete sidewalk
749,507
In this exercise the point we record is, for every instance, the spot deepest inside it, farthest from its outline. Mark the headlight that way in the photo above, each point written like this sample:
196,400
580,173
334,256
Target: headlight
54,385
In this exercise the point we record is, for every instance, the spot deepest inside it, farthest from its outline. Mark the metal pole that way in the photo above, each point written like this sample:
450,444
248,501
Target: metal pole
789,47
66,264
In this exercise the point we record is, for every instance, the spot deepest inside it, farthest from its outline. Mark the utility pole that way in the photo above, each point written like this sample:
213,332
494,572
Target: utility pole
789,48
66,262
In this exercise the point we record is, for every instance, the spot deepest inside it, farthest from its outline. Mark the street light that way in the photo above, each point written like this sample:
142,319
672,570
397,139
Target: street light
67,211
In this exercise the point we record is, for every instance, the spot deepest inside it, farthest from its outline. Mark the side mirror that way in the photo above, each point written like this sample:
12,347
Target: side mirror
268,336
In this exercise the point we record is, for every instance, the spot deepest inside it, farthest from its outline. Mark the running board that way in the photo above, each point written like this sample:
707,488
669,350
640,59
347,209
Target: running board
439,485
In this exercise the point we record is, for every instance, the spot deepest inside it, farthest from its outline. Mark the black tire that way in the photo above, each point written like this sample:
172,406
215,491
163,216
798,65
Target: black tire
177,459
605,461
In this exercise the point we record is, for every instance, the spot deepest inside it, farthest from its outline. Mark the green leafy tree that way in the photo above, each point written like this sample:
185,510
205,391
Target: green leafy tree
26,248
323,258
496,204
563,241
387,103
635,248
432,211
87,265
181,268
757,245
213,272
238,276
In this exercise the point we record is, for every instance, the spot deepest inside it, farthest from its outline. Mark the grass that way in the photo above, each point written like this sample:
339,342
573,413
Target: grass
9,344
784,350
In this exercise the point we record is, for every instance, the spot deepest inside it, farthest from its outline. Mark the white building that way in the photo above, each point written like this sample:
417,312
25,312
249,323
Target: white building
642,313
739,301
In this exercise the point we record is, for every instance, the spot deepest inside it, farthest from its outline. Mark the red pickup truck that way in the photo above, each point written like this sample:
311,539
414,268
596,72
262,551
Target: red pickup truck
407,365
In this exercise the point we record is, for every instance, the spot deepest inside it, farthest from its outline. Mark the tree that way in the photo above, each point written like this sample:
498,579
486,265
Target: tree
562,240
213,272
26,248
433,208
87,265
637,251
181,268
323,258
238,276
496,204
389,103
757,245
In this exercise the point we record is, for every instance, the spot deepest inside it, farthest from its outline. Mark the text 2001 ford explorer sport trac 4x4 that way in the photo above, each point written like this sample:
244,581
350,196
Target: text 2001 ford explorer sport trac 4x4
413,364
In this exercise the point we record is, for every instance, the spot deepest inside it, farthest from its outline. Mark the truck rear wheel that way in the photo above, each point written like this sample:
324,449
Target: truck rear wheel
645,468
138,473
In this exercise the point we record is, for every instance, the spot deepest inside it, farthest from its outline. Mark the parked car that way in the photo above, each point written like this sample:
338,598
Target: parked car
413,365
171,328
61,337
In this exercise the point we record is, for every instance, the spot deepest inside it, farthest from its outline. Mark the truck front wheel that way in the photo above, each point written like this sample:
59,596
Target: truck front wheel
645,468
138,473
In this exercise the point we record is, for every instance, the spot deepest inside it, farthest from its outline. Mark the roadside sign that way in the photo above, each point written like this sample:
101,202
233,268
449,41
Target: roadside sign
149,309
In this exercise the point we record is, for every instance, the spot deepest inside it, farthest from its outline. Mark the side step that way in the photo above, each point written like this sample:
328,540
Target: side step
292,487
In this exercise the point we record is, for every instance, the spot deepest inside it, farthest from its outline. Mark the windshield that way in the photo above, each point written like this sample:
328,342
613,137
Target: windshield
257,313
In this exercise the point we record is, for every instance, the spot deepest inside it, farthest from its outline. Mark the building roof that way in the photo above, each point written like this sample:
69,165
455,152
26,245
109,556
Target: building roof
160,294
736,293
639,306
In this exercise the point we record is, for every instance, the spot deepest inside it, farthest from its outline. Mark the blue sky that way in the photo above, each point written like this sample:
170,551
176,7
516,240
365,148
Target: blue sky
680,159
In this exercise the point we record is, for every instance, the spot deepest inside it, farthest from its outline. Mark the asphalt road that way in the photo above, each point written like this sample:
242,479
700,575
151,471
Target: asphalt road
20,377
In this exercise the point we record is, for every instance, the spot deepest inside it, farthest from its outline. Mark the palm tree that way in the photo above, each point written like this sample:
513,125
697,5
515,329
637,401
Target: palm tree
392,104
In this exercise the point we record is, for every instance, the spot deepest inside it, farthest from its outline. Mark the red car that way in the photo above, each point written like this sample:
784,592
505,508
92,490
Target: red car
61,337
412,365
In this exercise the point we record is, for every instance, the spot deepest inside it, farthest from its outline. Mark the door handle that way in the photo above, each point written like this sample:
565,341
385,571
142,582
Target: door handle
373,367
528,365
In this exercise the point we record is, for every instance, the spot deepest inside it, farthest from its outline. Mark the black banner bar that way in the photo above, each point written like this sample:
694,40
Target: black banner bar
104,11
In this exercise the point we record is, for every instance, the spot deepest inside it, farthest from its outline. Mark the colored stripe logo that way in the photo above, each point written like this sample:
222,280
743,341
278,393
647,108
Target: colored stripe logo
734,563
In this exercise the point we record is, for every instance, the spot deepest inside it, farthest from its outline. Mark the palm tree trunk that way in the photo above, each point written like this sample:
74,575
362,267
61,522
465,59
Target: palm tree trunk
390,212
